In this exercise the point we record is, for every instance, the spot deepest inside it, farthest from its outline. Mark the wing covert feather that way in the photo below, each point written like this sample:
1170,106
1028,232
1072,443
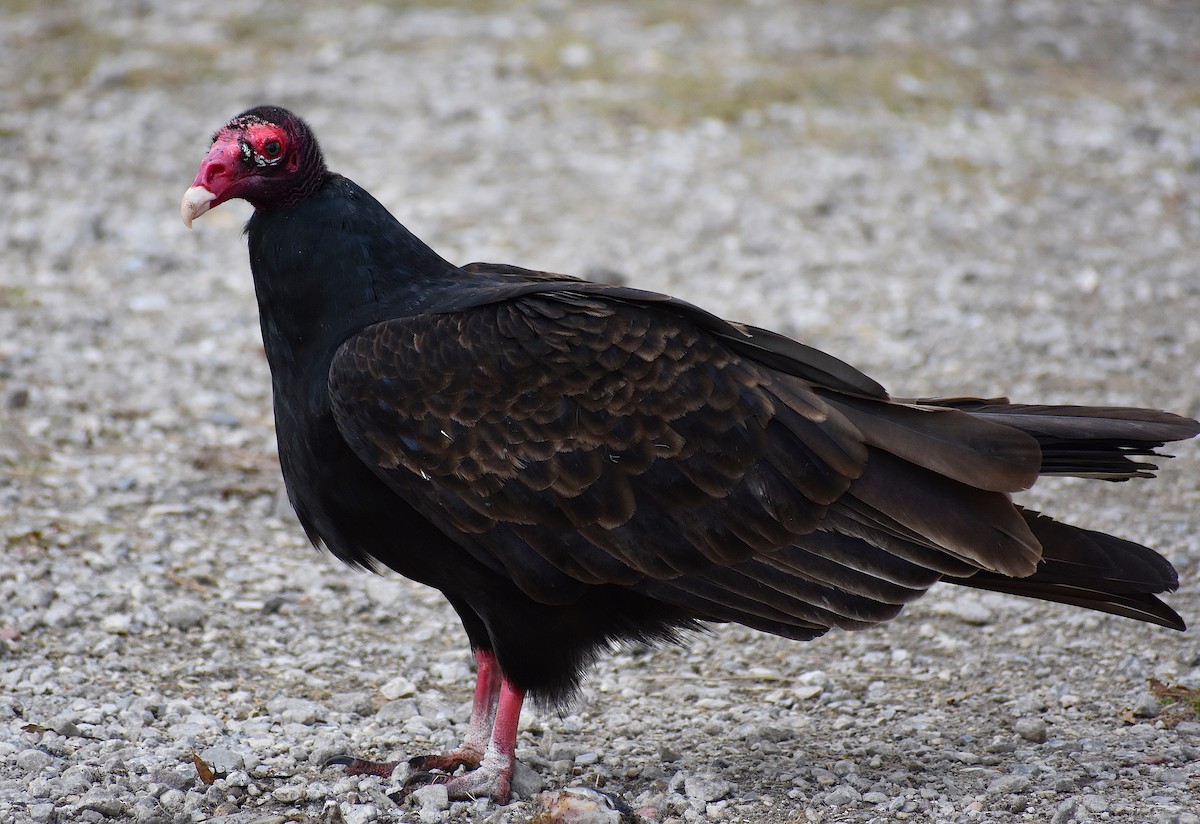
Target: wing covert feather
575,440
570,414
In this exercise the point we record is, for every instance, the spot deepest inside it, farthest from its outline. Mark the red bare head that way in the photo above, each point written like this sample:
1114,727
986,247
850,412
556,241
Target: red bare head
266,156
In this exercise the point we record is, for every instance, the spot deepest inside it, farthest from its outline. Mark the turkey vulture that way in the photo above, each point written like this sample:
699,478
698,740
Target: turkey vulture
574,464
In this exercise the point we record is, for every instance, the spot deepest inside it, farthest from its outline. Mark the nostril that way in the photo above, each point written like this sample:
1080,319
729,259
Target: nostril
215,170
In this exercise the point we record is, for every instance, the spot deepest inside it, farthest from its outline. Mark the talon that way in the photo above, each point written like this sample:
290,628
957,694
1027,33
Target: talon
361,766
422,778
401,793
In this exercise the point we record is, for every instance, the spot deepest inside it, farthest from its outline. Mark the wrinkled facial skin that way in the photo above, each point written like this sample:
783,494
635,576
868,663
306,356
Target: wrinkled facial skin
249,158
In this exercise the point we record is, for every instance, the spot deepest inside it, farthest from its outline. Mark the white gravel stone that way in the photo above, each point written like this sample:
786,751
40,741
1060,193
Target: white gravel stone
1008,784
527,782
1146,706
397,712
1031,729
296,710
398,687
705,787
185,615
360,813
222,760
33,761
432,796
288,793
842,796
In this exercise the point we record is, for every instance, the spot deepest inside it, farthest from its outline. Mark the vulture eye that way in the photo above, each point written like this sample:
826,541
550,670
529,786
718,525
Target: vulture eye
272,148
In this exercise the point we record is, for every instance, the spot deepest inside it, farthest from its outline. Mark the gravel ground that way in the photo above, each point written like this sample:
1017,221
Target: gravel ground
985,197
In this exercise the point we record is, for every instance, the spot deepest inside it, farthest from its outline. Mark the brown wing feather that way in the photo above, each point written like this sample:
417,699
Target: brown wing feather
570,413
575,438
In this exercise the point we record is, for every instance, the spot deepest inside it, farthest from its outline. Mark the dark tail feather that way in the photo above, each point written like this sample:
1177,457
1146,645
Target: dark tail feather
1086,441
1093,570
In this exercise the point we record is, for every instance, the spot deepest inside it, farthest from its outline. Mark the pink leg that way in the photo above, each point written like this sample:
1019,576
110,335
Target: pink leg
493,776
483,714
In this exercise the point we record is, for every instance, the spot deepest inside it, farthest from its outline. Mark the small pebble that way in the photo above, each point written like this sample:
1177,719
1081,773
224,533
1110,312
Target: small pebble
105,805
360,813
397,712
398,687
221,760
1146,706
1173,775
705,787
527,782
966,607
432,795
288,793
358,703
33,761
1065,812
842,796
185,615
1031,729
65,727
296,710
1008,784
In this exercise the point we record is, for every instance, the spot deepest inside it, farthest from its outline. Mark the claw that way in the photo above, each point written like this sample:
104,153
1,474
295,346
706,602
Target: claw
420,779
361,766
415,781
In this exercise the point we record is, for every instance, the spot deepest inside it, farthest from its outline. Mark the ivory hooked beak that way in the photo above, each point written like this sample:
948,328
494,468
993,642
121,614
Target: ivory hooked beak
196,202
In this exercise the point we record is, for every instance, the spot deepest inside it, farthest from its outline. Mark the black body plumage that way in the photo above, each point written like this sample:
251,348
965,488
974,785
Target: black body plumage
574,464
